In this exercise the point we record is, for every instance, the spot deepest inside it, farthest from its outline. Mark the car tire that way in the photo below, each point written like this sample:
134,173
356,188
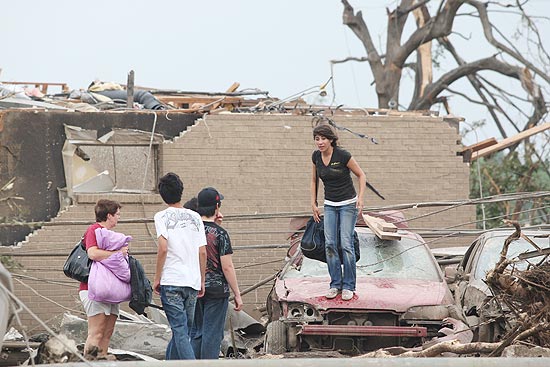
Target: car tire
275,337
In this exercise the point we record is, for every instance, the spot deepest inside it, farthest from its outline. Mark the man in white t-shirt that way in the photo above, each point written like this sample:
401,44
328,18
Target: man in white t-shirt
181,264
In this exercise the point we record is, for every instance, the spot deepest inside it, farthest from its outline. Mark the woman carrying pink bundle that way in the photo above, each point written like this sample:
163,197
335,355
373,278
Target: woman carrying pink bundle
109,279
102,316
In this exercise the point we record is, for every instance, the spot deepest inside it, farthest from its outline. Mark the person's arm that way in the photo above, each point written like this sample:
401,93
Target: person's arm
357,171
94,252
231,277
97,254
162,250
314,189
202,262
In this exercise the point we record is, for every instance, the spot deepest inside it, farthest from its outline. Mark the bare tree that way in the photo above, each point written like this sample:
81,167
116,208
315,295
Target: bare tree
490,77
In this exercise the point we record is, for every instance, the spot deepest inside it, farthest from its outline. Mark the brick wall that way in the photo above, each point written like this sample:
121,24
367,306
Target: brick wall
262,164
39,280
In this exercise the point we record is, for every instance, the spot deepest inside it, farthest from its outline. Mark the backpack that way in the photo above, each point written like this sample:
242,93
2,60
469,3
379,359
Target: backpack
142,292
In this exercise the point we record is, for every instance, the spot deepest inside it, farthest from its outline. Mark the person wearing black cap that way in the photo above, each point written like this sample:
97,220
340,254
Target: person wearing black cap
210,311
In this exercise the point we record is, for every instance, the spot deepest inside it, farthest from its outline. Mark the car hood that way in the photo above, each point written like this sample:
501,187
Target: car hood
371,293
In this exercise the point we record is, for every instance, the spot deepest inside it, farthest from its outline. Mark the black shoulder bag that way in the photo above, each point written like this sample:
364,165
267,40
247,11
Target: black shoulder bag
77,266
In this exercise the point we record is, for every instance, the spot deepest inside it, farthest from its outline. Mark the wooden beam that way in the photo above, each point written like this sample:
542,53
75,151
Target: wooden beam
505,143
373,224
130,90
197,99
385,226
481,145
231,89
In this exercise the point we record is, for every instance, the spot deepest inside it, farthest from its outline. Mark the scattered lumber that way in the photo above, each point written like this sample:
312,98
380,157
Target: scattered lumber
42,86
198,102
381,228
481,145
231,89
505,143
385,226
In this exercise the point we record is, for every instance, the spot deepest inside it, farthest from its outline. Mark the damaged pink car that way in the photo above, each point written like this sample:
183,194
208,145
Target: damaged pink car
401,300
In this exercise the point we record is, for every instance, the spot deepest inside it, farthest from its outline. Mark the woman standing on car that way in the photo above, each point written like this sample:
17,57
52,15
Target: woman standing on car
341,207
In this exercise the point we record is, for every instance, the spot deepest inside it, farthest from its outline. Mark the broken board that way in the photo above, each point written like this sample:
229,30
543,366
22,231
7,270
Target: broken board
381,228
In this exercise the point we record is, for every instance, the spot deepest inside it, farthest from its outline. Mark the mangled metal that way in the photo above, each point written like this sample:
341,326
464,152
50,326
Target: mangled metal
243,335
106,163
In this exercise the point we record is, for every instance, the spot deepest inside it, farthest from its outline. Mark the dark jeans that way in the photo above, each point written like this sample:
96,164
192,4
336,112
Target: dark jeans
340,220
179,306
207,331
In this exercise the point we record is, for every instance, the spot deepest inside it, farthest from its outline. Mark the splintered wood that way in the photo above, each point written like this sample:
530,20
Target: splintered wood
381,228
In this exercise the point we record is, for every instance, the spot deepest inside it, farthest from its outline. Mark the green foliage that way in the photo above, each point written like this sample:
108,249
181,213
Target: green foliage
505,174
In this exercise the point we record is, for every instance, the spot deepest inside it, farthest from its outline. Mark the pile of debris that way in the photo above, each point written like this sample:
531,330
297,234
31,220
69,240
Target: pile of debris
524,294
521,296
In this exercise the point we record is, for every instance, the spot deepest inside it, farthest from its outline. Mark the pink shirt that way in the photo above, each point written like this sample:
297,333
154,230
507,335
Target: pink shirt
89,241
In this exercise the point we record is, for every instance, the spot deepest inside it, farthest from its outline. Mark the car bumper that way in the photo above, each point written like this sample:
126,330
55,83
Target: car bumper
354,330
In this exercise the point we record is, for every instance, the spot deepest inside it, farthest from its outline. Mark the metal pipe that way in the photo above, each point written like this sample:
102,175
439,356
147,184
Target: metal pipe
356,330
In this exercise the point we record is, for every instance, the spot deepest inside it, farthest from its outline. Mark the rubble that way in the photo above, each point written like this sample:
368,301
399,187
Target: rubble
143,337
525,351
524,292
518,301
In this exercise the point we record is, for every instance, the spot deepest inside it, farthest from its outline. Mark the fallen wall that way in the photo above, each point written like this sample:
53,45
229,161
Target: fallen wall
30,153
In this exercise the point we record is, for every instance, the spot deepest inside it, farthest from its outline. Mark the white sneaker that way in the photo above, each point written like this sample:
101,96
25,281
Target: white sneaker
346,295
332,293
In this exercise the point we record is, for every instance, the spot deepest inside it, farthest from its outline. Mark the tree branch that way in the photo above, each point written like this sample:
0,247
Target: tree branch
396,23
476,84
357,24
439,26
452,346
487,31
351,58
490,63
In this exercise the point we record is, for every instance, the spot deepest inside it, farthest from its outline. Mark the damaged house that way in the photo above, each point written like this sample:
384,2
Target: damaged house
55,164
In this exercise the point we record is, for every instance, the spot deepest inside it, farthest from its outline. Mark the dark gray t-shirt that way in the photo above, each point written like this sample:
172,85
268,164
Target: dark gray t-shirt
218,244
336,175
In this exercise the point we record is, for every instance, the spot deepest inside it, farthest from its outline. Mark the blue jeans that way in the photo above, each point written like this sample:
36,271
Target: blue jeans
179,306
207,331
340,221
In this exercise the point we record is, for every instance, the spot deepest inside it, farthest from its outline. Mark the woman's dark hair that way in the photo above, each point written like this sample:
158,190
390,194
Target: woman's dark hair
103,207
206,211
326,131
192,204
170,188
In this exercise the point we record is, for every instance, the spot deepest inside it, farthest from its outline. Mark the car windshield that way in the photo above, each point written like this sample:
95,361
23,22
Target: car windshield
407,259
490,253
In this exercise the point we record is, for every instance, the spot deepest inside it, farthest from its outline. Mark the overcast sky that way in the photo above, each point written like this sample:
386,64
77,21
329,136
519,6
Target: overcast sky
282,46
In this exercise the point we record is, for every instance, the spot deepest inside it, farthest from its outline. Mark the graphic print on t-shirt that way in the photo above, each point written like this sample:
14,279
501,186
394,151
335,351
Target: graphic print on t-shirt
218,244
180,219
